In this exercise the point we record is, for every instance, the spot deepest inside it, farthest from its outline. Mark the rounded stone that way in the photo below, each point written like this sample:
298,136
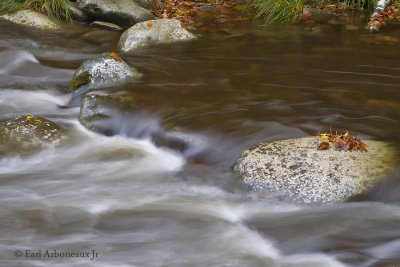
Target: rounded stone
28,133
104,113
32,19
122,12
76,12
296,169
105,70
153,32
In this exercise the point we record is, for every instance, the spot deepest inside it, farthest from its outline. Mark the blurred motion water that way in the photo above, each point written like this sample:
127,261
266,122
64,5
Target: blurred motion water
140,205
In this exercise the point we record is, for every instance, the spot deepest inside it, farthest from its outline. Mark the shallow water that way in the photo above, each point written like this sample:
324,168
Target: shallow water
139,205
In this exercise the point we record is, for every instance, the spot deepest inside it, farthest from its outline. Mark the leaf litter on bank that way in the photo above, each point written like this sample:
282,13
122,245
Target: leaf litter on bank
390,14
205,15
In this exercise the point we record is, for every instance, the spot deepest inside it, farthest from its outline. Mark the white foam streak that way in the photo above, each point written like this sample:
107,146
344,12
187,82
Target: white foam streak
12,59
98,155
308,260
14,102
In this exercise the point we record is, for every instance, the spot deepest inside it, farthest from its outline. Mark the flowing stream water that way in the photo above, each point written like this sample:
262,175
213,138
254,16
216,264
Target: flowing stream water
224,92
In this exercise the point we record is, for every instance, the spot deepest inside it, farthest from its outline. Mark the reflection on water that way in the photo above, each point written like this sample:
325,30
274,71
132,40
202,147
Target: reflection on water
139,205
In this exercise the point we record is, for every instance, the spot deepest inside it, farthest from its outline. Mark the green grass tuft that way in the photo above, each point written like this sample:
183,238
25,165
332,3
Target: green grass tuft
278,11
55,9
289,11
11,5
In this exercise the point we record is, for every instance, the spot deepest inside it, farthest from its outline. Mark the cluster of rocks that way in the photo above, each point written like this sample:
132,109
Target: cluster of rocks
134,17
134,20
293,168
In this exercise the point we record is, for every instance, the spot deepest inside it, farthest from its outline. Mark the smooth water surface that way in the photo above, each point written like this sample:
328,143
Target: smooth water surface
137,204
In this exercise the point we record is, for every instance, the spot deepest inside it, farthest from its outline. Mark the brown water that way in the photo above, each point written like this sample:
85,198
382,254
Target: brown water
225,92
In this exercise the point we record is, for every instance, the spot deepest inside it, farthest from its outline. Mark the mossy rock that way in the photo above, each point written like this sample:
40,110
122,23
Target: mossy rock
295,168
28,133
81,79
104,70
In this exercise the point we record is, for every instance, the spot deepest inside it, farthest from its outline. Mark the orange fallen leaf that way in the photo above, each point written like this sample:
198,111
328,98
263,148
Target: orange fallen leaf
115,56
323,146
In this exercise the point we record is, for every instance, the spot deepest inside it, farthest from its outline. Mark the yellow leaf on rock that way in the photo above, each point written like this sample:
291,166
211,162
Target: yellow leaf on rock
325,135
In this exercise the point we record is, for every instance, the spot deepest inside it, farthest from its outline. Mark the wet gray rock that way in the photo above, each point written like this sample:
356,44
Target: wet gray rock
28,133
76,12
122,12
153,32
105,113
104,70
295,168
32,19
106,25
192,146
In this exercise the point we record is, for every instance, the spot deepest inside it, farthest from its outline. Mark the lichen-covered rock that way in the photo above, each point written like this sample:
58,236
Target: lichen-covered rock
103,113
295,168
122,12
32,19
153,32
104,70
28,133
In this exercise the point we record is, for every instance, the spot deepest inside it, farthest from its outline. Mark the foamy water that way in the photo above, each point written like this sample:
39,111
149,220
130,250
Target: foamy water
139,205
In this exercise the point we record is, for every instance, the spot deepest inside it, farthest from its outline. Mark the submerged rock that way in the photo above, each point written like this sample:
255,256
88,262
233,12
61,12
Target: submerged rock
105,70
122,12
298,170
32,19
27,133
100,37
103,113
192,146
153,32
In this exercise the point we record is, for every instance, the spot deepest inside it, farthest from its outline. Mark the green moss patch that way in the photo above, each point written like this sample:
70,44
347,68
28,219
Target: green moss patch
79,80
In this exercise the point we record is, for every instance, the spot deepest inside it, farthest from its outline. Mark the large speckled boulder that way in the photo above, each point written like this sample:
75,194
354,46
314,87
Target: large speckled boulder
104,113
122,12
27,133
106,70
153,32
298,170
32,19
